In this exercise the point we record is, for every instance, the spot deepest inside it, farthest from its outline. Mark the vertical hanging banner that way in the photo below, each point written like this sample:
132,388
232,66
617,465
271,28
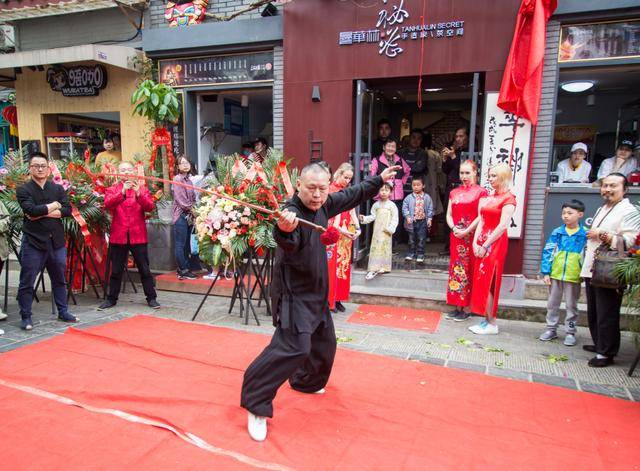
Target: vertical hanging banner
499,134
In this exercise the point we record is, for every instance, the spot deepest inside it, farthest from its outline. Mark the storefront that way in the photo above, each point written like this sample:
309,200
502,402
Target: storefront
349,66
230,83
69,98
592,90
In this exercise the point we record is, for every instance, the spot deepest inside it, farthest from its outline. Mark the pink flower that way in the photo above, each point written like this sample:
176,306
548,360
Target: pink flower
3,171
83,201
57,179
2,187
244,220
66,185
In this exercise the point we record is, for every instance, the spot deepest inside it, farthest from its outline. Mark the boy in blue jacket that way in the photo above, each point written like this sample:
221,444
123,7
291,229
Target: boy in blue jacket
417,210
561,265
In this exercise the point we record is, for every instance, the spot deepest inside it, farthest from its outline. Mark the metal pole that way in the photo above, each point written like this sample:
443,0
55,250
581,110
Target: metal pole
357,158
474,111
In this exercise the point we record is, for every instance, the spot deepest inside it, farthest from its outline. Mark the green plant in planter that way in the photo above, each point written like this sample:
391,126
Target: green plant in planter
158,103
629,271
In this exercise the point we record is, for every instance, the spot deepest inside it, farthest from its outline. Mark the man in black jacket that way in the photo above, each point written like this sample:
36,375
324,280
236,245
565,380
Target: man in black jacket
304,344
43,203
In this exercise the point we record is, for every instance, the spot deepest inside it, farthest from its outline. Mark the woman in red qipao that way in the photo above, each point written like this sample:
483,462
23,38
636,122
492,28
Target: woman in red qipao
462,218
339,254
490,248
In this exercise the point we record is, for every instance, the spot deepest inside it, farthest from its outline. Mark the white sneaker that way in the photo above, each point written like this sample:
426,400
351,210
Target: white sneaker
3,316
209,276
371,275
257,427
484,328
320,391
1,332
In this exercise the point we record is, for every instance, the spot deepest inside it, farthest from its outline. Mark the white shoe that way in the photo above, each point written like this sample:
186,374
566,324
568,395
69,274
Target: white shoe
320,391
371,275
209,276
3,316
1,332
257,427
484,328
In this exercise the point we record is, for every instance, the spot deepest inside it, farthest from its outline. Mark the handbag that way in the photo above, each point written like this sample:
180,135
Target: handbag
604,262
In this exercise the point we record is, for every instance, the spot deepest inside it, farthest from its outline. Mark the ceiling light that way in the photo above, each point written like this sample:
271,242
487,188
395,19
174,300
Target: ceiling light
577,86
432,89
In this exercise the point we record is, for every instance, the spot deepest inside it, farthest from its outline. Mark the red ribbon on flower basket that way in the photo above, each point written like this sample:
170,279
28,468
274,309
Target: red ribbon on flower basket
162,137
255,171
282,175
238,167
75,213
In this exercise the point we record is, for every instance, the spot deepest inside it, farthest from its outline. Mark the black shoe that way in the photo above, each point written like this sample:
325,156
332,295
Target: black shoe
340,307
153,304
26,323
462,316
589,348
451,315
596,362
66,317
106,305
187,275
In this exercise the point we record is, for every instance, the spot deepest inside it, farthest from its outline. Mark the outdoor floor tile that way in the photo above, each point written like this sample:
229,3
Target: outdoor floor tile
554,381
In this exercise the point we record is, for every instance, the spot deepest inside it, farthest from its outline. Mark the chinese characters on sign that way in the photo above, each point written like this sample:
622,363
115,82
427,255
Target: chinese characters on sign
496,146
390,32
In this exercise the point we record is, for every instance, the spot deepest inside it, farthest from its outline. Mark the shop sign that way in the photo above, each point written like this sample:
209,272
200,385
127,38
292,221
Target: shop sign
77,80
213,70
392,31
499,127
176,130
600,41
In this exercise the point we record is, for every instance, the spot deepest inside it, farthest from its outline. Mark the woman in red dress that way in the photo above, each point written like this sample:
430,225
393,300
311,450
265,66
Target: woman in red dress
339,254
462,218
490,248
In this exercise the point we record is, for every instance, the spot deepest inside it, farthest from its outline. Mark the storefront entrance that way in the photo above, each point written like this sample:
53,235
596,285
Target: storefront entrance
72,134
229,120
447,104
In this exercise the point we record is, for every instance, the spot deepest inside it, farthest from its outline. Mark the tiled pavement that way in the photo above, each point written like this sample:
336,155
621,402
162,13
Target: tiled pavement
515,353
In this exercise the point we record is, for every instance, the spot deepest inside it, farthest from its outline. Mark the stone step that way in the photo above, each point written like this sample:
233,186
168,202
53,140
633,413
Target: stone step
429,292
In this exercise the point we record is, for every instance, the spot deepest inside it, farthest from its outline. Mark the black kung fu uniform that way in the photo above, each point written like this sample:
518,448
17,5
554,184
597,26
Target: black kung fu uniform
303,346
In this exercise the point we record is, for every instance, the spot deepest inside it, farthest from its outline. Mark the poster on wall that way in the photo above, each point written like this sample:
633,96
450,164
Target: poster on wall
499,126
610,40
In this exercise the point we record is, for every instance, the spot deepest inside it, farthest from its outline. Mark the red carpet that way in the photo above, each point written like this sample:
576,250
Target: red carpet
379,413
398,317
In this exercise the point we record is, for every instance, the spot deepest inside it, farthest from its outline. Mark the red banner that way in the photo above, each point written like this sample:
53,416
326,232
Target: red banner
161,137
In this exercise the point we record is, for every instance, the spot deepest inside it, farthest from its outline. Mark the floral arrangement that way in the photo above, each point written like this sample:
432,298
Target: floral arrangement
629,271
85,194
226,229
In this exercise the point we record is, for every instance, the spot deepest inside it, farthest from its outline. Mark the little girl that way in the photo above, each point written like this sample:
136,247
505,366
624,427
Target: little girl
385,214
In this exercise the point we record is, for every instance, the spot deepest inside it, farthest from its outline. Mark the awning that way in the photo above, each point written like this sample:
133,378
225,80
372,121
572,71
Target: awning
11,10
118,56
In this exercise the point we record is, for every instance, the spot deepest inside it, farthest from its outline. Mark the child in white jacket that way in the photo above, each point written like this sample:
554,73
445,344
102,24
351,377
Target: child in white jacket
385,214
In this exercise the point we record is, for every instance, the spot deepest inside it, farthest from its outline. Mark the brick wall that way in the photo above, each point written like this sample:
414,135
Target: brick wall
541,151
224,7
278,97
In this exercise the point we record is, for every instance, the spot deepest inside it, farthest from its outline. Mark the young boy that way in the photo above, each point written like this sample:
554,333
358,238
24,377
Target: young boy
561,265
417,210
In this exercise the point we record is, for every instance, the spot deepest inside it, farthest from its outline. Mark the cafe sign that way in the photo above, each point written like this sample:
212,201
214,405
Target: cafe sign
77,80
392,30
213,70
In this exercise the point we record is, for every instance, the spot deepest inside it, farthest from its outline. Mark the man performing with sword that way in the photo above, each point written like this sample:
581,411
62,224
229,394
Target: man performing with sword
303,346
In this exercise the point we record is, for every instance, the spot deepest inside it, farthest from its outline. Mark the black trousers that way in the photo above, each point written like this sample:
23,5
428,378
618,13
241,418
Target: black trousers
603,314
118,258
304,359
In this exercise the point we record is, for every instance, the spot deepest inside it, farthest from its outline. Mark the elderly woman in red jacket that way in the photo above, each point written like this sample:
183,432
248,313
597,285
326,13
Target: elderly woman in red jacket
127,201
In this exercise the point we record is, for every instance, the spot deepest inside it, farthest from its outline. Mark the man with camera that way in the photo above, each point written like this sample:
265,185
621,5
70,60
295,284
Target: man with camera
128,200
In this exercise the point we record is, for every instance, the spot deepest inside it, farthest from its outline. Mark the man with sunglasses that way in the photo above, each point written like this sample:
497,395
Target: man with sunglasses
44,204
